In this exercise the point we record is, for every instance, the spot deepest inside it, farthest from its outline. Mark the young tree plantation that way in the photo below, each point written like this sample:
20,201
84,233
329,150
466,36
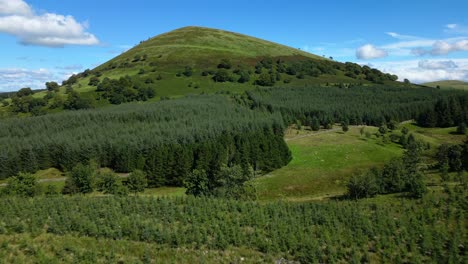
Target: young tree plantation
208,146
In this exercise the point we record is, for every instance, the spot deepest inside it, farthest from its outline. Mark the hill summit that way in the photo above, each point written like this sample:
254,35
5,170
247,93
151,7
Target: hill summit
205,46
195,60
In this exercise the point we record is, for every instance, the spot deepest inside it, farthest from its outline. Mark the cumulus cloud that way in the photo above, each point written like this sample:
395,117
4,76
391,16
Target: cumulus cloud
18,19
437,65
426,71
442,47
369,51
13,79
14,7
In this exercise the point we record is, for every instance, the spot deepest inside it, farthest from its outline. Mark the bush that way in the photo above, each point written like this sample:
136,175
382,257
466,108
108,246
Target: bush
225,64
363,185
345,126
461,129
93,81
24,184
108,182
266,79
136,181
81,180
197,183
188,71
222,75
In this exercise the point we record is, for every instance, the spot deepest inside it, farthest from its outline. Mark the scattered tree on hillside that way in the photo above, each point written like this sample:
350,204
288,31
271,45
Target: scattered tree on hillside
345,125
75,102
222,75
265,79
109,183
225,64
188,71
315,125
24,92
228,182
52,86
23,184
81,179
136,181
461,129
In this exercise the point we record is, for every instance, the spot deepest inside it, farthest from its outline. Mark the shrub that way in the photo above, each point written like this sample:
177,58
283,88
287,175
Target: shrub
23,184
136,181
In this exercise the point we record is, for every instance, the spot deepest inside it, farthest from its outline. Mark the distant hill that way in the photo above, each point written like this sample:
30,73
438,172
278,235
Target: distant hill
195,60
449,84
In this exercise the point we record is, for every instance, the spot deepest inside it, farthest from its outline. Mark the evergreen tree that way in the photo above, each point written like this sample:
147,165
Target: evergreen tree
23,184
82,178
315,124
136,181
197,183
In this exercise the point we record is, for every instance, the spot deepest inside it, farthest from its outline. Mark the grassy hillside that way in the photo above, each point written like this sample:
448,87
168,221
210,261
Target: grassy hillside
195,60
450,84
322,163
198,46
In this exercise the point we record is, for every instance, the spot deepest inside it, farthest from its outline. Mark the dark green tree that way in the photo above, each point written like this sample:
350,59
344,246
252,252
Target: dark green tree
136,181
225,64
23,184
94,81
461,128
197,183
108,183
363,185
52,86
345,125
222,75
315,124
24,92
82,178
265,79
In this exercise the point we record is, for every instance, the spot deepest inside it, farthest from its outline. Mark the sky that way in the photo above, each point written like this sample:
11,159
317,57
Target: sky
48,40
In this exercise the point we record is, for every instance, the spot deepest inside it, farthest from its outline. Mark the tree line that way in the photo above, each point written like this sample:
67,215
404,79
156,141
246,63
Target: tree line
356,105
167,139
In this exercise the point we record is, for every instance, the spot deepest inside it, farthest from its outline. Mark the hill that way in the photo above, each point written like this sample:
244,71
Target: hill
449,84
194,60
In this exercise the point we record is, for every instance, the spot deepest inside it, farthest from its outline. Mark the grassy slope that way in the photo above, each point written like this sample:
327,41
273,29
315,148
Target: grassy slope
322,163
452,84
202,49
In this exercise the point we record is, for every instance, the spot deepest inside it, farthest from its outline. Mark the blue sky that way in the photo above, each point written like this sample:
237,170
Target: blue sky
44,40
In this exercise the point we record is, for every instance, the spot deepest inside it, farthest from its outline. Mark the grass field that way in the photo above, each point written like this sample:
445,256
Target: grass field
322,163
451,84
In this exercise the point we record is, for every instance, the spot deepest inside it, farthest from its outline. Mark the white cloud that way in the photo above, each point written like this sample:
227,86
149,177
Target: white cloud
437,65
456,29
400,36
73,67
14,7
442,47
369,51
451,26
53,30
13,79
427,71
